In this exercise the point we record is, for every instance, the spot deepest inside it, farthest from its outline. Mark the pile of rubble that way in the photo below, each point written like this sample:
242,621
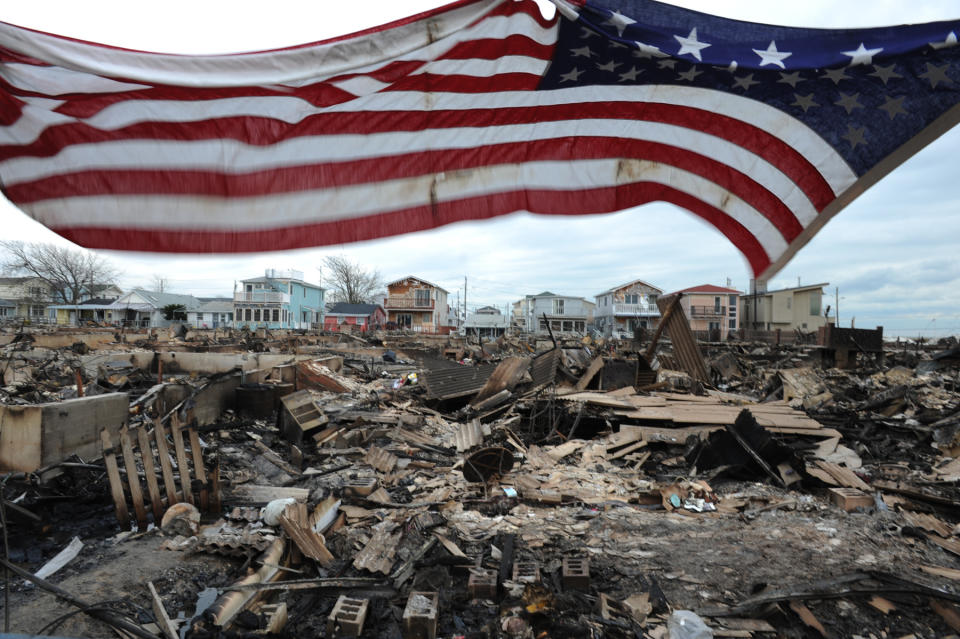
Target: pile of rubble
411,487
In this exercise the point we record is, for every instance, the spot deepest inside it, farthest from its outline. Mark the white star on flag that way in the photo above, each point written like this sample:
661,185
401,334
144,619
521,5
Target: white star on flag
949,41
772,56
619,21
691,45
862,55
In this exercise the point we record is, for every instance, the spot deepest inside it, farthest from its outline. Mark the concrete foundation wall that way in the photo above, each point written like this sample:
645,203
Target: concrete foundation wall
33,437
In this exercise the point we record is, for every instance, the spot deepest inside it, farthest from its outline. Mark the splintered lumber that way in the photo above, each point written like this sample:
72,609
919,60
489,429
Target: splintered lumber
201,472
589,374
382,460
178,446
160,613
113,474
150,470
163,454
296,524
836,475
133,478
505,376
253,494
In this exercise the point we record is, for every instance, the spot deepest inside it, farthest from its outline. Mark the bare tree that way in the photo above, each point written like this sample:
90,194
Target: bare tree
350,282
70,274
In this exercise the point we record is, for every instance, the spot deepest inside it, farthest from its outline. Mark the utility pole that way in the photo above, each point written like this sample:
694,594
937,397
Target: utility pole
836,304
464,304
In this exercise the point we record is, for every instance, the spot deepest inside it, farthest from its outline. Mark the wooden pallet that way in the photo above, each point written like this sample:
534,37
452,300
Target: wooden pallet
142,453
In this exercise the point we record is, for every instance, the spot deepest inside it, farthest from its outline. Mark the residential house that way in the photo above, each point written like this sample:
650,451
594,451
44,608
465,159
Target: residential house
799,307
280,299
565,313
361,317
97,309
711,308
624,308
486,321
108,292
144,308
213,312
414,304
8,310
30,295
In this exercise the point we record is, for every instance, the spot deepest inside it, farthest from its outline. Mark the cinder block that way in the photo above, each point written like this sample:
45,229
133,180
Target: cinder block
526,571
850,498
347,617
482,584
420,615
576,572
362,487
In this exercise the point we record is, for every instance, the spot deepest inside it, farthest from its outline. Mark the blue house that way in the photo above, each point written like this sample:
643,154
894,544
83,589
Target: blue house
280,299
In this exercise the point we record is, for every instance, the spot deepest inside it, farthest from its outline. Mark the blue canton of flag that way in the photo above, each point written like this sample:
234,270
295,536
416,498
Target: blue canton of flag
874,96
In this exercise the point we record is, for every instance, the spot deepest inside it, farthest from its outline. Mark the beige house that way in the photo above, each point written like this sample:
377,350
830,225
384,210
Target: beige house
30,297
800,307
417,305
621,309
711,308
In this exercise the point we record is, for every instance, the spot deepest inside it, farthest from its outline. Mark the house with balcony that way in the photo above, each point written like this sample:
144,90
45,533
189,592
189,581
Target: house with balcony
799,307
414,304
624,308
486,321
31,296
711,310
279,299
358,317
562,313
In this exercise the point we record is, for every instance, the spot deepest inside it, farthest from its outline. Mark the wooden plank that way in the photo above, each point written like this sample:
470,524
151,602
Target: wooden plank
182,468
150,470
163,454
133,478
160,613
198,468
589,374
940,571
294,521
113,474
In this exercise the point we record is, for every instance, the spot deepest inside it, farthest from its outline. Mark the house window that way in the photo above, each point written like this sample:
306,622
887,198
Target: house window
814,304
248,314
36,291
256,315
716,304
36,311
249,288
427,318
732,323
789,301
558,307
422,297
276,315
3,311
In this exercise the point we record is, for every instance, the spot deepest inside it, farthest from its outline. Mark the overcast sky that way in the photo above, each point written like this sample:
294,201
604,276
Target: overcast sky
893,253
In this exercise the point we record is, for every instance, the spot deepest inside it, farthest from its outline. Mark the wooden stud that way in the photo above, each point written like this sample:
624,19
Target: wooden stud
163,619
150,470
181,458
163,454
116,485
133,478
198,467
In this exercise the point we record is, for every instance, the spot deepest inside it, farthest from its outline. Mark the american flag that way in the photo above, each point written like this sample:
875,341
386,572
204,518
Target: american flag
471,111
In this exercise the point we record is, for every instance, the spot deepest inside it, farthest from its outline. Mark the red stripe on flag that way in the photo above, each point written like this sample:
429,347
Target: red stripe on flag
590,201
370,171
265,131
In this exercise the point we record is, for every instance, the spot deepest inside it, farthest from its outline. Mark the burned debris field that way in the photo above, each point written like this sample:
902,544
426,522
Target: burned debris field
222,483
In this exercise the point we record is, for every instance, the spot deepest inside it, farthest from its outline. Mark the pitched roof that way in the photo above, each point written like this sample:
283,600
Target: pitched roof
344,308
17,280
708,288
419,279
97,300
159,300
617,288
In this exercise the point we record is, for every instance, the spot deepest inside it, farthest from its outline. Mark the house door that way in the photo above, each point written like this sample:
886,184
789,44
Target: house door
404,320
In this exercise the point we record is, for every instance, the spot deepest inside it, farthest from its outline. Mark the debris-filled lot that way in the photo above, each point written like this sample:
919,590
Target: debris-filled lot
202,483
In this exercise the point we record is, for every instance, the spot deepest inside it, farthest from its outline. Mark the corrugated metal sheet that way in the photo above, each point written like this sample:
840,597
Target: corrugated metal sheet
456,382
684,345
543,369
